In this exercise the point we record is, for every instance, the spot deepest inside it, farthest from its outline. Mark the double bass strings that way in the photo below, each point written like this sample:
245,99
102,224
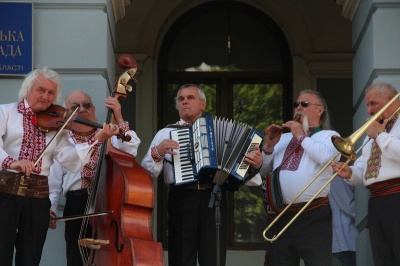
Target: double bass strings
90,205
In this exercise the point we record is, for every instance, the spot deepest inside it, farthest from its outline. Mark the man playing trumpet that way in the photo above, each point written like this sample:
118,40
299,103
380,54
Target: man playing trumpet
301,154
378,168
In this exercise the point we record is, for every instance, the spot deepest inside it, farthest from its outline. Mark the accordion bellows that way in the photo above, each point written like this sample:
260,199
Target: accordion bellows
213,150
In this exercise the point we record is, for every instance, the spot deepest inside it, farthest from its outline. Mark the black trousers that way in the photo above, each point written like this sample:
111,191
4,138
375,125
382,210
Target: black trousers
75,205
23,224
384,229
192,228
347,258
308,238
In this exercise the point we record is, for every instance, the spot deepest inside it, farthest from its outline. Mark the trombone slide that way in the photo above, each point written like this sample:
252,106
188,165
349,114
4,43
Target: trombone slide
345,147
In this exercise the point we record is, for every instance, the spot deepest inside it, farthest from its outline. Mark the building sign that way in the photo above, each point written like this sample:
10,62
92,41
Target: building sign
16,38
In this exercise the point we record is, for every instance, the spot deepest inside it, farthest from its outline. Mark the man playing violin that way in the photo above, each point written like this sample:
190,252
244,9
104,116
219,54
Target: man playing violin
74,186
378,169
26,158
301,153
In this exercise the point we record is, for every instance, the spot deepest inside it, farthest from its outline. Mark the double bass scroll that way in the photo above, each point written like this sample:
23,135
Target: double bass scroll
124,187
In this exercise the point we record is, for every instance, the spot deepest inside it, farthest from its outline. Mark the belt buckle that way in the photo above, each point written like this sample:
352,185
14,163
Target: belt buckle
21,191
23,182
23,186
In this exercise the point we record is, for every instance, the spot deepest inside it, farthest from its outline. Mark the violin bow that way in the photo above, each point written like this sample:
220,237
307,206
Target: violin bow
57,134
74,217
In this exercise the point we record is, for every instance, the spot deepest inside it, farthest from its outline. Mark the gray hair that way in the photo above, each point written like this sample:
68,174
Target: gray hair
34,75
385,89
325,121
199,90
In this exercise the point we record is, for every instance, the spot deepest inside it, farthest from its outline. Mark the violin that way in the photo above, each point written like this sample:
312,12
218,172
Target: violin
54,117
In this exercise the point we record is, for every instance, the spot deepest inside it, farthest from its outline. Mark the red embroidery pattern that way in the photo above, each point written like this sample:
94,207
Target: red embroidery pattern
292,156
295,151
154,154
182,125
89,169
7,161
33,141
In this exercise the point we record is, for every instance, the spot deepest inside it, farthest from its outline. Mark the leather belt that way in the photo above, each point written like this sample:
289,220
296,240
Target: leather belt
196,186
34,186
318,202
383,188
76,193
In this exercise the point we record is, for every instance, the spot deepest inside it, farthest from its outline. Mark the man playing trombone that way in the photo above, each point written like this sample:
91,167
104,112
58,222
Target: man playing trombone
301,153
378,168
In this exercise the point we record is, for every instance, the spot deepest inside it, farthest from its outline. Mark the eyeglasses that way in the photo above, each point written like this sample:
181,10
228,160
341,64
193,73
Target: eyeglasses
84,105
304,104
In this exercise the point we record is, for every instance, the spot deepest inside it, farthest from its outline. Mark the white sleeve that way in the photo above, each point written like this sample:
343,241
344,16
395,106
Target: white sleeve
131,146
255,181
55,184
73,156
148,163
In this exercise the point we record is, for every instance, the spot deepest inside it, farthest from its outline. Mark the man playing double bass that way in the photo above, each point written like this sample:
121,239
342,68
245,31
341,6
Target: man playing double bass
26,157
74,186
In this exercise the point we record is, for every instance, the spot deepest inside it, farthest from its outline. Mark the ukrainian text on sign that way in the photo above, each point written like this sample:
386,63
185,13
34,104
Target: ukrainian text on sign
15,38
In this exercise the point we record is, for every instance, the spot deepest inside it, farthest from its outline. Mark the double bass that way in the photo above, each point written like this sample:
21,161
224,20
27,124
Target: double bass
124,191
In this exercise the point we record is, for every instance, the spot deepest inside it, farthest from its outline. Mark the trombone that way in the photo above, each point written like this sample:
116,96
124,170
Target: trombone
345,147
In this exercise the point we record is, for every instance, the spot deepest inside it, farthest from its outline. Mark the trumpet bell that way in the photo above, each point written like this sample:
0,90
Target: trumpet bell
345,147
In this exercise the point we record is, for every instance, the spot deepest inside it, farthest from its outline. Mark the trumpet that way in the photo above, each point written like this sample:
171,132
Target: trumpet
345,147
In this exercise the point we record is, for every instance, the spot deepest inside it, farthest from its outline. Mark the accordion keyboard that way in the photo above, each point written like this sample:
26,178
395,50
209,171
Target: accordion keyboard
183,159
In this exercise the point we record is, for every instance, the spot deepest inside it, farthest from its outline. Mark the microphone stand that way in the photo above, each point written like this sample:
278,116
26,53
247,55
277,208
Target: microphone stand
216,194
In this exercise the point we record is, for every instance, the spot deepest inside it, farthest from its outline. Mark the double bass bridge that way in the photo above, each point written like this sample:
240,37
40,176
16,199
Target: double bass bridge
93,243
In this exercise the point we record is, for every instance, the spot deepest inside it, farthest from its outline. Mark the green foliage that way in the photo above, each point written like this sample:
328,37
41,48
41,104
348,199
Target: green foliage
210,92
263,107
248,209
263,104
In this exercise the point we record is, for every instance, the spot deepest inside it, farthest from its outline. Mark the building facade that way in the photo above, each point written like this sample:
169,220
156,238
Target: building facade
336,47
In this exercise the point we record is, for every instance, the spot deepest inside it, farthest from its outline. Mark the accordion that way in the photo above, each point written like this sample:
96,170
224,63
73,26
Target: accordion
212,150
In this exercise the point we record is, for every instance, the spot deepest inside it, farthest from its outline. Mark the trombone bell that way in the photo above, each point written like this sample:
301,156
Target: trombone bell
345,147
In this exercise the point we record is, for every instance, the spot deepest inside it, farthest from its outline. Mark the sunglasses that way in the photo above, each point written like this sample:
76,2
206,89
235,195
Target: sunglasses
84,105
304,104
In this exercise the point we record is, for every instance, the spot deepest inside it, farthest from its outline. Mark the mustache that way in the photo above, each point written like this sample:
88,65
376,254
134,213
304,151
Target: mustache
304,120
301,113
